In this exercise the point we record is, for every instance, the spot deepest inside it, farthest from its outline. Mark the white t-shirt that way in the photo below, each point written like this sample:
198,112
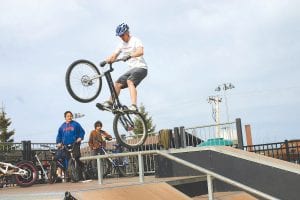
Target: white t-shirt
131,46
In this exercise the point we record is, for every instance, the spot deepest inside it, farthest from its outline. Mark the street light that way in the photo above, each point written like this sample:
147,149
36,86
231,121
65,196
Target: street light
78,115
224,87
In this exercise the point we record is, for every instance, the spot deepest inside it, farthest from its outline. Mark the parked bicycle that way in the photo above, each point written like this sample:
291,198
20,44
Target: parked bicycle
121,167
55,164
74,167
84,83
24,172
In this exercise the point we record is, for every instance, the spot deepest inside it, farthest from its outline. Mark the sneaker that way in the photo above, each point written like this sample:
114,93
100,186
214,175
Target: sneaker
105,105
108,104
133,107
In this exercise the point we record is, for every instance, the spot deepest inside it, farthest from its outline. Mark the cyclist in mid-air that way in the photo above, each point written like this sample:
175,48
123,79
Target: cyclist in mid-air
132,51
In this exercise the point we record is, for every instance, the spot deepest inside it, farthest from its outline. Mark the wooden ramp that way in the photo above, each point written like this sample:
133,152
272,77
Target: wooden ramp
151,191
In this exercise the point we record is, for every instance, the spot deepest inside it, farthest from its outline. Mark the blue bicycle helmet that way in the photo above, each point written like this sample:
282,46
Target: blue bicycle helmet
121,29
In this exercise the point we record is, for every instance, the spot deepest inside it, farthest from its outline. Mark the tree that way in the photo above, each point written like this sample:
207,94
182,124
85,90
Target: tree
5,135
149,123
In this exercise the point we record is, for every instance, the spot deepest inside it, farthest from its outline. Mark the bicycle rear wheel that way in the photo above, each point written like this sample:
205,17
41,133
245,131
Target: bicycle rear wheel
80,83
31,176
130,129
107,167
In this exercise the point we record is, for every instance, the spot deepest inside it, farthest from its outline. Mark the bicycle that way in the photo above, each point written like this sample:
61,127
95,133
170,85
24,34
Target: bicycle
84,84
55,163
122,166
24,172
42,168
74,168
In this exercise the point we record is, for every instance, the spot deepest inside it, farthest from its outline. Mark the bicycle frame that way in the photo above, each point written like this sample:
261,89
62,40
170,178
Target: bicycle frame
42,167
113,161
117,106
10,169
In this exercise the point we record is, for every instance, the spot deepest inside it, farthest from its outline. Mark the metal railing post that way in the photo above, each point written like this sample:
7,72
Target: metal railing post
182,136
100,170
210,187
239,132
287,150
141,167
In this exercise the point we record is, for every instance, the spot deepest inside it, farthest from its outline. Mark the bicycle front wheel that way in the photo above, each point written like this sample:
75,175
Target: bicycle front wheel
83,81
52,172
73,170
130,129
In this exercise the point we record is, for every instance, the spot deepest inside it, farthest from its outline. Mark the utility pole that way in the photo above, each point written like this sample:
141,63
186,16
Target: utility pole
215,101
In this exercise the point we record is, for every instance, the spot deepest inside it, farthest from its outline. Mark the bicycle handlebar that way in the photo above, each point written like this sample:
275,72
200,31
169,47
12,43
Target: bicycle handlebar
103,63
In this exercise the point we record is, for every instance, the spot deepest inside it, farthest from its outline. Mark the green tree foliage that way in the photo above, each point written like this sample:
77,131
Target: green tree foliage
149,122
5,135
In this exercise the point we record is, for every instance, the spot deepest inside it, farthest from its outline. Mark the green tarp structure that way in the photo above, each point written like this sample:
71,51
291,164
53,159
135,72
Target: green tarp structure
216,142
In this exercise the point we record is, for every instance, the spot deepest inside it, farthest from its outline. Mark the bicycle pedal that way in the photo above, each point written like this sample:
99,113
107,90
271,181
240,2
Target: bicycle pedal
99,106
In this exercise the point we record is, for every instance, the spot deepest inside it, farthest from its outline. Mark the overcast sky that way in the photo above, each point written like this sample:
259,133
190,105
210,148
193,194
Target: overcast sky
190,46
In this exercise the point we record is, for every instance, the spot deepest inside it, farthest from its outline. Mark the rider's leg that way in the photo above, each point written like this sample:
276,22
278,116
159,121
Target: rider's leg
109,103
118,87
132,91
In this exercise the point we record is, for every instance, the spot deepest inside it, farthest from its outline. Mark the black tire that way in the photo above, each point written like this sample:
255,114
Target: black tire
89,171
130,129
52,176
31,176
107,167
74,170
78,81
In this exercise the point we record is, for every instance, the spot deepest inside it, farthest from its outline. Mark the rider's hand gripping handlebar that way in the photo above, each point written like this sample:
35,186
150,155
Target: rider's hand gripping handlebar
125,58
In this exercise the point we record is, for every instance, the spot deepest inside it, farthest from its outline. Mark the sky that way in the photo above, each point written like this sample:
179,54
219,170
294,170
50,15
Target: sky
191,47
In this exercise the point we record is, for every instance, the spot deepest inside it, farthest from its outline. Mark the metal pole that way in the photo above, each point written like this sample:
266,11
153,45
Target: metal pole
239,132
218,100
141,168
226,104
100,170
210,187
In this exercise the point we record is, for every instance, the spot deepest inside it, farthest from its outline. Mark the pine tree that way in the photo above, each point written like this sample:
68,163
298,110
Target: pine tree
149,122
5,135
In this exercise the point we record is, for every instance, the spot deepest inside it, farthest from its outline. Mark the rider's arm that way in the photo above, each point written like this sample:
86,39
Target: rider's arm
113,56
137,53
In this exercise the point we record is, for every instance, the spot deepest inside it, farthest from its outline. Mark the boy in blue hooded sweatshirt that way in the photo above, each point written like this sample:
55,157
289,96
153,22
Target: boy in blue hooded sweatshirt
70,132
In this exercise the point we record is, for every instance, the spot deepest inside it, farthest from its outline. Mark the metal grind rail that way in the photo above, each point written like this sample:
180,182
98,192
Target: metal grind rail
210,174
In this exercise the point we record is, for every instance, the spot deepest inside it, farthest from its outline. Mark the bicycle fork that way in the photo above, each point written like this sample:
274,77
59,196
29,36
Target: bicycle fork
44,171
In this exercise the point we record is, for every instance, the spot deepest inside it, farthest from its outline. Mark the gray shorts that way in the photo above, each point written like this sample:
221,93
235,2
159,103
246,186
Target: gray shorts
136,75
